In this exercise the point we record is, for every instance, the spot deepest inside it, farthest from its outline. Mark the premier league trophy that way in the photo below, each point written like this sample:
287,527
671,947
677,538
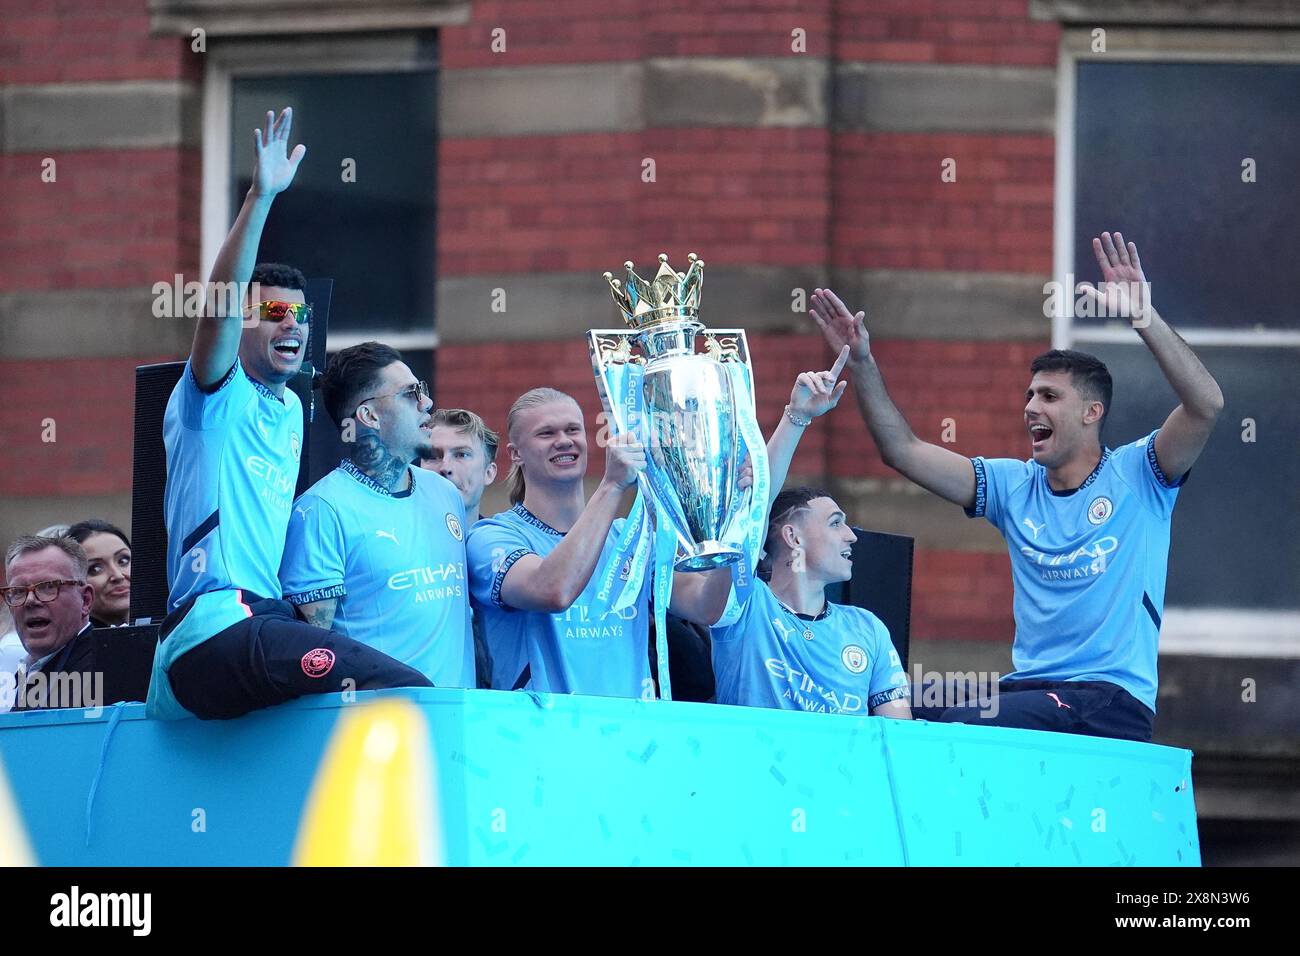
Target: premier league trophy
692,404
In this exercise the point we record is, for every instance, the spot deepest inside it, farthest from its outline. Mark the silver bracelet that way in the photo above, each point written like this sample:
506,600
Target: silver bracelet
796,420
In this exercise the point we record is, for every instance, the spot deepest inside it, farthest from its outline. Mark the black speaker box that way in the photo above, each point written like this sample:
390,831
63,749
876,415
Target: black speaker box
882,583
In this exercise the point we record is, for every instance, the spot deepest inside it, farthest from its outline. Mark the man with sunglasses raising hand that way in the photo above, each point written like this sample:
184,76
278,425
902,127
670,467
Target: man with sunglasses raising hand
376,548
233,435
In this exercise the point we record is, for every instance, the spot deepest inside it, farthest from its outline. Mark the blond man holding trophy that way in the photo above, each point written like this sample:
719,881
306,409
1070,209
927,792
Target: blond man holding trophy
564,587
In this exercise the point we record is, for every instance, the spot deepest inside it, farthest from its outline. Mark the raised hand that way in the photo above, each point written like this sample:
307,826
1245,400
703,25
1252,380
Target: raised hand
839,326
275,166
816,393
1124,292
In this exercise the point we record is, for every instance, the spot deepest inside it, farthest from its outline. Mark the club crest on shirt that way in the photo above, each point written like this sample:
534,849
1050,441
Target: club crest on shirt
453,525
854,658
295,445
1100,510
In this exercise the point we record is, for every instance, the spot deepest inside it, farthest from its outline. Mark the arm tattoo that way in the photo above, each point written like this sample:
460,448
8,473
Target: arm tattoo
319,613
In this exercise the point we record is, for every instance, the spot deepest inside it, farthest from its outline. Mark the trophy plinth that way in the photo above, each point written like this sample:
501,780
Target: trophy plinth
708,555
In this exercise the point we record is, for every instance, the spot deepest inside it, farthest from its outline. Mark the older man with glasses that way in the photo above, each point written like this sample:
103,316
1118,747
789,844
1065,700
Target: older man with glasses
47,593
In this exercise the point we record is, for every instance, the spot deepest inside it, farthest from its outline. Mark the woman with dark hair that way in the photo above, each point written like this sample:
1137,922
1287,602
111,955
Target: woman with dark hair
109,551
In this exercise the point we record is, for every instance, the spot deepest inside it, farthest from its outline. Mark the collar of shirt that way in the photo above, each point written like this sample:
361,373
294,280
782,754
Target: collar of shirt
348,467
535,521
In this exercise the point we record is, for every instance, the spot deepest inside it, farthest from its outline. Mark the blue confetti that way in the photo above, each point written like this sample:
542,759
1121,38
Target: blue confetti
649,752
957,842
519,854
508,734
780,777
607,729
984,808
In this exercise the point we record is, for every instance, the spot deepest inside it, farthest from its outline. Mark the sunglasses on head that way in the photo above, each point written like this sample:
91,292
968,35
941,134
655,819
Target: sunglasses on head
275,311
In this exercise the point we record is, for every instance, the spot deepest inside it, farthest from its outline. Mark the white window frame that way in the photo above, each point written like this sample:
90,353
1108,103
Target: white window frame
1217,632
229,59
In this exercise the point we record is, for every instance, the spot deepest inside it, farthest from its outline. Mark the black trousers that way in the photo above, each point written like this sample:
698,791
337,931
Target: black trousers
1093,708
273,657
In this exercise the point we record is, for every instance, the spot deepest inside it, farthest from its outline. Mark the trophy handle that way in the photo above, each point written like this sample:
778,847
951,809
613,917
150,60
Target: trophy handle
612,347
727,346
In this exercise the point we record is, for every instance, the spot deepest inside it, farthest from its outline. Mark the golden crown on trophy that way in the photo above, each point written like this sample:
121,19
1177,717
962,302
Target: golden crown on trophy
669,296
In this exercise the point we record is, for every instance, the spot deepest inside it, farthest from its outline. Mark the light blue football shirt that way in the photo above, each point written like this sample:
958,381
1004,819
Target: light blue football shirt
232,467
1088,565
842,662
394,561
569,652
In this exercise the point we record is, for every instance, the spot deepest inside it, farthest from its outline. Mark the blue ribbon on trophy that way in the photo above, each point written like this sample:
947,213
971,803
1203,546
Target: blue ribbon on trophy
622,578
695,413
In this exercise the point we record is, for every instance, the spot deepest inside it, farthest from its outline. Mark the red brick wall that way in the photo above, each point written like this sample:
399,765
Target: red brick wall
962,595
996,216
586,31
92,405
113,219
589,31
577,202
943,31
77,41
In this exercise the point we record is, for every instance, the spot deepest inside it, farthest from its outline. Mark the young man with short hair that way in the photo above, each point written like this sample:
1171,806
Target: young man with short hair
536,569
1087,527
464,451
233,435
376,548
786,646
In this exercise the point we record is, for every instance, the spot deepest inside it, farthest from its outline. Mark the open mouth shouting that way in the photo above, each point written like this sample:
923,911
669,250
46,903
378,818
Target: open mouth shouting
288,347
1039,433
